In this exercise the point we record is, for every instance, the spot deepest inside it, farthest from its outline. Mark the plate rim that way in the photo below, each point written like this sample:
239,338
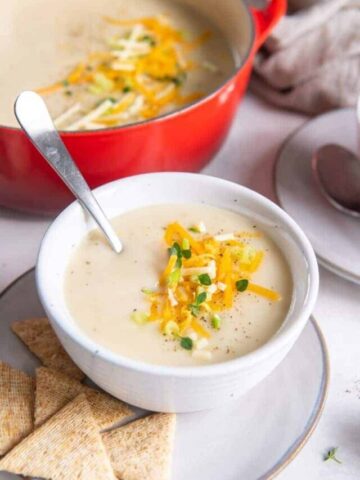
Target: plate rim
316,413
327,264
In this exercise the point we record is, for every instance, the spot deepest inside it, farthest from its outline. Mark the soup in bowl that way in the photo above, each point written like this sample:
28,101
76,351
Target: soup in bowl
213,287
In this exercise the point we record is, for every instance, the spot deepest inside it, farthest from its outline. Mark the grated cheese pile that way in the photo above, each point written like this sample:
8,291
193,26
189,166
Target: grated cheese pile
202,278
138,76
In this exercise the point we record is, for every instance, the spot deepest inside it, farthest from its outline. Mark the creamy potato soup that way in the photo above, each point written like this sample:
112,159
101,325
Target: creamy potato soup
114,62
194,285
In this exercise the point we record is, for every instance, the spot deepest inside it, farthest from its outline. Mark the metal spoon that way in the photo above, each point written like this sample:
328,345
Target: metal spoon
337,171
34,118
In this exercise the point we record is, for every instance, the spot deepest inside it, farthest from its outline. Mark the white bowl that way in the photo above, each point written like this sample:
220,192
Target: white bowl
163,388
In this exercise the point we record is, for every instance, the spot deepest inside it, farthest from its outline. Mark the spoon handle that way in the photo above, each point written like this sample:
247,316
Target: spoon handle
33,116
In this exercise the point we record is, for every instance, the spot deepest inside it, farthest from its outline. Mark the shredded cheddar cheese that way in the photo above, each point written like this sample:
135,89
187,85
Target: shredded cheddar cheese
141,71
202,278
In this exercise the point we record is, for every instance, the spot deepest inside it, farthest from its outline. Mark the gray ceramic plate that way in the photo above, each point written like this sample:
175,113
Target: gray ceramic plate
252,438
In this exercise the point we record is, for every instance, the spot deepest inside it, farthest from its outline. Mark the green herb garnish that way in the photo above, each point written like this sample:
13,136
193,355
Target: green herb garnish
68,93
177,79
186,249
180,252
242,285
126,89
186,343
149,39
204,279
195,307
200,298
331,455
194,229
175,249
65,83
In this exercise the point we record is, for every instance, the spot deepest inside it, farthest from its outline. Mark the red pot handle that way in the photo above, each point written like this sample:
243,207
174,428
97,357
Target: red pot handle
266,19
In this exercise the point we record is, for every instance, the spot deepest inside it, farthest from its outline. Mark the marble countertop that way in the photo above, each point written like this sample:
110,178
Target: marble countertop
248,158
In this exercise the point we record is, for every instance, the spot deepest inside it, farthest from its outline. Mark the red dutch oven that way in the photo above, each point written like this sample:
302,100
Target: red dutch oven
184,140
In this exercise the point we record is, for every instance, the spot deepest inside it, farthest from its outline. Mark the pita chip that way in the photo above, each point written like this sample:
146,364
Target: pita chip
16,406
66,447
41,340
142,449
55,389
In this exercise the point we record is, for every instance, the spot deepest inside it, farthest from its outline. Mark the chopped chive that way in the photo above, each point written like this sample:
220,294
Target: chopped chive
242,285
140,317
216,321
94,89
185,245
126,89
194,229
171,328
186,343
204,279
65,83
103,82
147,291
174,277
186,253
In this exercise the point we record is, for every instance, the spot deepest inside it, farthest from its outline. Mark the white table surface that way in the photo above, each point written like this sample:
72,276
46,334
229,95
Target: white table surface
248,157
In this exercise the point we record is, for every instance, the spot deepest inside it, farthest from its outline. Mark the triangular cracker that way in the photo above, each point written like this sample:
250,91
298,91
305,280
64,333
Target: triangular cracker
66,447
55,389
142,449
16,406
41,340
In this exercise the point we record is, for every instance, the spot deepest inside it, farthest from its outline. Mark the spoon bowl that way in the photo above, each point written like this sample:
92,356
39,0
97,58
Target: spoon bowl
337,171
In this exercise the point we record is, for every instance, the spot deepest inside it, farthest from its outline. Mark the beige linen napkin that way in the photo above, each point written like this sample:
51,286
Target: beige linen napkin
311,61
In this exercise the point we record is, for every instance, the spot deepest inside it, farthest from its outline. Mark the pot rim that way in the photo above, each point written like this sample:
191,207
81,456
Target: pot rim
281,340
185,109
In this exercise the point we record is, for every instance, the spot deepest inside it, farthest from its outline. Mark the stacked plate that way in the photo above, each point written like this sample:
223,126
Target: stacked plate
334,235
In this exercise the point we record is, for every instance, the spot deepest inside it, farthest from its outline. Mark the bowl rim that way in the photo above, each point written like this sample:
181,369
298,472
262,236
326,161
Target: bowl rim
276,343
174,113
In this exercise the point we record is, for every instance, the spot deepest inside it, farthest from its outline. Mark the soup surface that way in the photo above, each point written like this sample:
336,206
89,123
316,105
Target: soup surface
110,296
106,66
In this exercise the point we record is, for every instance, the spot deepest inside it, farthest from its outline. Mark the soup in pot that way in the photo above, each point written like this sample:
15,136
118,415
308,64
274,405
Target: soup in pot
123,63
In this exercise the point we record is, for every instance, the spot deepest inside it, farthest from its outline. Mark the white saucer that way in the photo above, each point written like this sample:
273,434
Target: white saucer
251,438
334,236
